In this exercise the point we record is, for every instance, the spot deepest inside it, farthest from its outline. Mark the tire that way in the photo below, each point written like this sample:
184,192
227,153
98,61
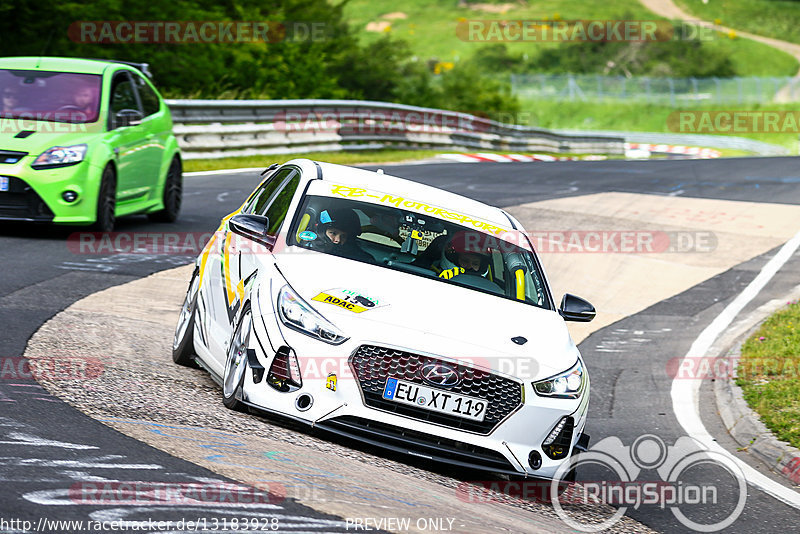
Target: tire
183,342
106,201
173,194
236,362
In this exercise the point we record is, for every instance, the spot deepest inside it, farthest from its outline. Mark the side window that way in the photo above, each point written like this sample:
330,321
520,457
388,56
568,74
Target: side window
278,209
122,97
260,199
150,102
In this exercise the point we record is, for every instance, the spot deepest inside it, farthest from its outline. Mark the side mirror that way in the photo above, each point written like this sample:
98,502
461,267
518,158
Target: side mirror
576,309
128,117
253,227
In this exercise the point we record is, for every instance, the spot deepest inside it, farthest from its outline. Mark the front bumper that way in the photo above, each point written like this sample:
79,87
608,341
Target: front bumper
35,195
505,447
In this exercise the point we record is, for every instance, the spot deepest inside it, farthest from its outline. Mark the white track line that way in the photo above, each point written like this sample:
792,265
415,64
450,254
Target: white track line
686,392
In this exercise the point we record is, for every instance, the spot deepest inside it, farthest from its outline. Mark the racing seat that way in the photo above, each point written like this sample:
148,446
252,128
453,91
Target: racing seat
432,253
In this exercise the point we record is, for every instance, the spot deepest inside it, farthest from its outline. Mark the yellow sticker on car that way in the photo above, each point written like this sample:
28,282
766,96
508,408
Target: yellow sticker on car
330,299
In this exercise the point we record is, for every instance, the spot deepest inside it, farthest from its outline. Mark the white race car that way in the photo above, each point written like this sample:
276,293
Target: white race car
391,312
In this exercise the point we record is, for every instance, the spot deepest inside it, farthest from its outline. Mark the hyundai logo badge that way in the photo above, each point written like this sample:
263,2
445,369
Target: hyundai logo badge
439,374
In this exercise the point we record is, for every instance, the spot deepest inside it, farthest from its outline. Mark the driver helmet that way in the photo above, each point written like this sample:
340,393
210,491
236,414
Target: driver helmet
343,219
470,248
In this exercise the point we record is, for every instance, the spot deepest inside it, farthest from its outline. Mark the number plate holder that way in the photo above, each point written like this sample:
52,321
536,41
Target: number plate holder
435,400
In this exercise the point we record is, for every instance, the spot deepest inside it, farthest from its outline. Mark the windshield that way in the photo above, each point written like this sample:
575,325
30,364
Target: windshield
50,96
420,244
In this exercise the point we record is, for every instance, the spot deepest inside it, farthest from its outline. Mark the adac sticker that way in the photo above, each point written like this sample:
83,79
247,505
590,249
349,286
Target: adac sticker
349,300
307,236
330,383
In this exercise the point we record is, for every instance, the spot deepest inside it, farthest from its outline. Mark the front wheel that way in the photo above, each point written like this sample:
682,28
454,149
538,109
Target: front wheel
173,194
236,362
183,343
106,201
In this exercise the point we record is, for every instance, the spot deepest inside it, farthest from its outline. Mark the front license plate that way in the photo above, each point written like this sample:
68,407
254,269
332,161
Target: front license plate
3,183
434,400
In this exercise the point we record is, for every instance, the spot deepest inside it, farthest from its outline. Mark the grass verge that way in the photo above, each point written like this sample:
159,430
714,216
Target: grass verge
430,28
636,117
769,373
771,18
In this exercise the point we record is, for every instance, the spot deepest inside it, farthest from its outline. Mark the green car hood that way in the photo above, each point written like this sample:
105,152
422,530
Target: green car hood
45,135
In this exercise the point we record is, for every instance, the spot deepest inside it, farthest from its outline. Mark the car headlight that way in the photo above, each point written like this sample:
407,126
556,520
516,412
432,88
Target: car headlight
566,385
296,313
60,156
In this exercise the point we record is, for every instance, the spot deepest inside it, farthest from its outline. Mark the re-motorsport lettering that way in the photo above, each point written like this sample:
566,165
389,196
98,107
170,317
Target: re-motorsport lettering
377,197
330,299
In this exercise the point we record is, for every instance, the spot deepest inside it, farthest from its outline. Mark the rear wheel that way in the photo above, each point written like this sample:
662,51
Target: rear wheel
106,201
236,362
173,194
183,343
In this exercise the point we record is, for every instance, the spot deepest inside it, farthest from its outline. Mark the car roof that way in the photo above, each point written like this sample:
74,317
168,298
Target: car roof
58,64
386,183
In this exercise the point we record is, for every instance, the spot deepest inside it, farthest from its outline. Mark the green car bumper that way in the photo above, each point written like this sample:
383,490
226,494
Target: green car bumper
39,194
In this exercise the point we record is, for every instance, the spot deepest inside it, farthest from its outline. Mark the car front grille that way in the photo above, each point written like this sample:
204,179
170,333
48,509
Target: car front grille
373,365
21,202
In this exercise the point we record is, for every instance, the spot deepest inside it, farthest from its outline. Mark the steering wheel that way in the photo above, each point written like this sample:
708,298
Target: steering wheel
69,107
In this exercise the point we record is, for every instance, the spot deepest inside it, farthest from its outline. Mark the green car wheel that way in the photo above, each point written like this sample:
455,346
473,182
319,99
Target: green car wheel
106,201
173,194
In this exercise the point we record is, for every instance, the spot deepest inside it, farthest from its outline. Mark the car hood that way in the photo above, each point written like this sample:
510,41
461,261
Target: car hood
432,316
44,135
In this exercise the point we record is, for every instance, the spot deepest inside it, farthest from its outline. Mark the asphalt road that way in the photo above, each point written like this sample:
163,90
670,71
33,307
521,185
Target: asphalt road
43,442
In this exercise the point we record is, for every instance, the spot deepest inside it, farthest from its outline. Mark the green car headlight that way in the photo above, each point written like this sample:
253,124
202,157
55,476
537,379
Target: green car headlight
566,385
60,156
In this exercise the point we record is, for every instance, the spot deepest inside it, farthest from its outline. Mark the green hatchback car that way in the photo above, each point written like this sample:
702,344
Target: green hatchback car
84,141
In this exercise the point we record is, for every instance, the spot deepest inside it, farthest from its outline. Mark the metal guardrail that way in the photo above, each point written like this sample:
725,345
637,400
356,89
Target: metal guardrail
229,128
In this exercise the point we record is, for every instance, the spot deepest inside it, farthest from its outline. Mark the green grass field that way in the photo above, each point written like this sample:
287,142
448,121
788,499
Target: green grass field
633,117
771,18
430,28
769,373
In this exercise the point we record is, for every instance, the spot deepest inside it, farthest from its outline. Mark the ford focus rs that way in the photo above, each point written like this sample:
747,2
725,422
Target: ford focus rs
391,312
84,142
